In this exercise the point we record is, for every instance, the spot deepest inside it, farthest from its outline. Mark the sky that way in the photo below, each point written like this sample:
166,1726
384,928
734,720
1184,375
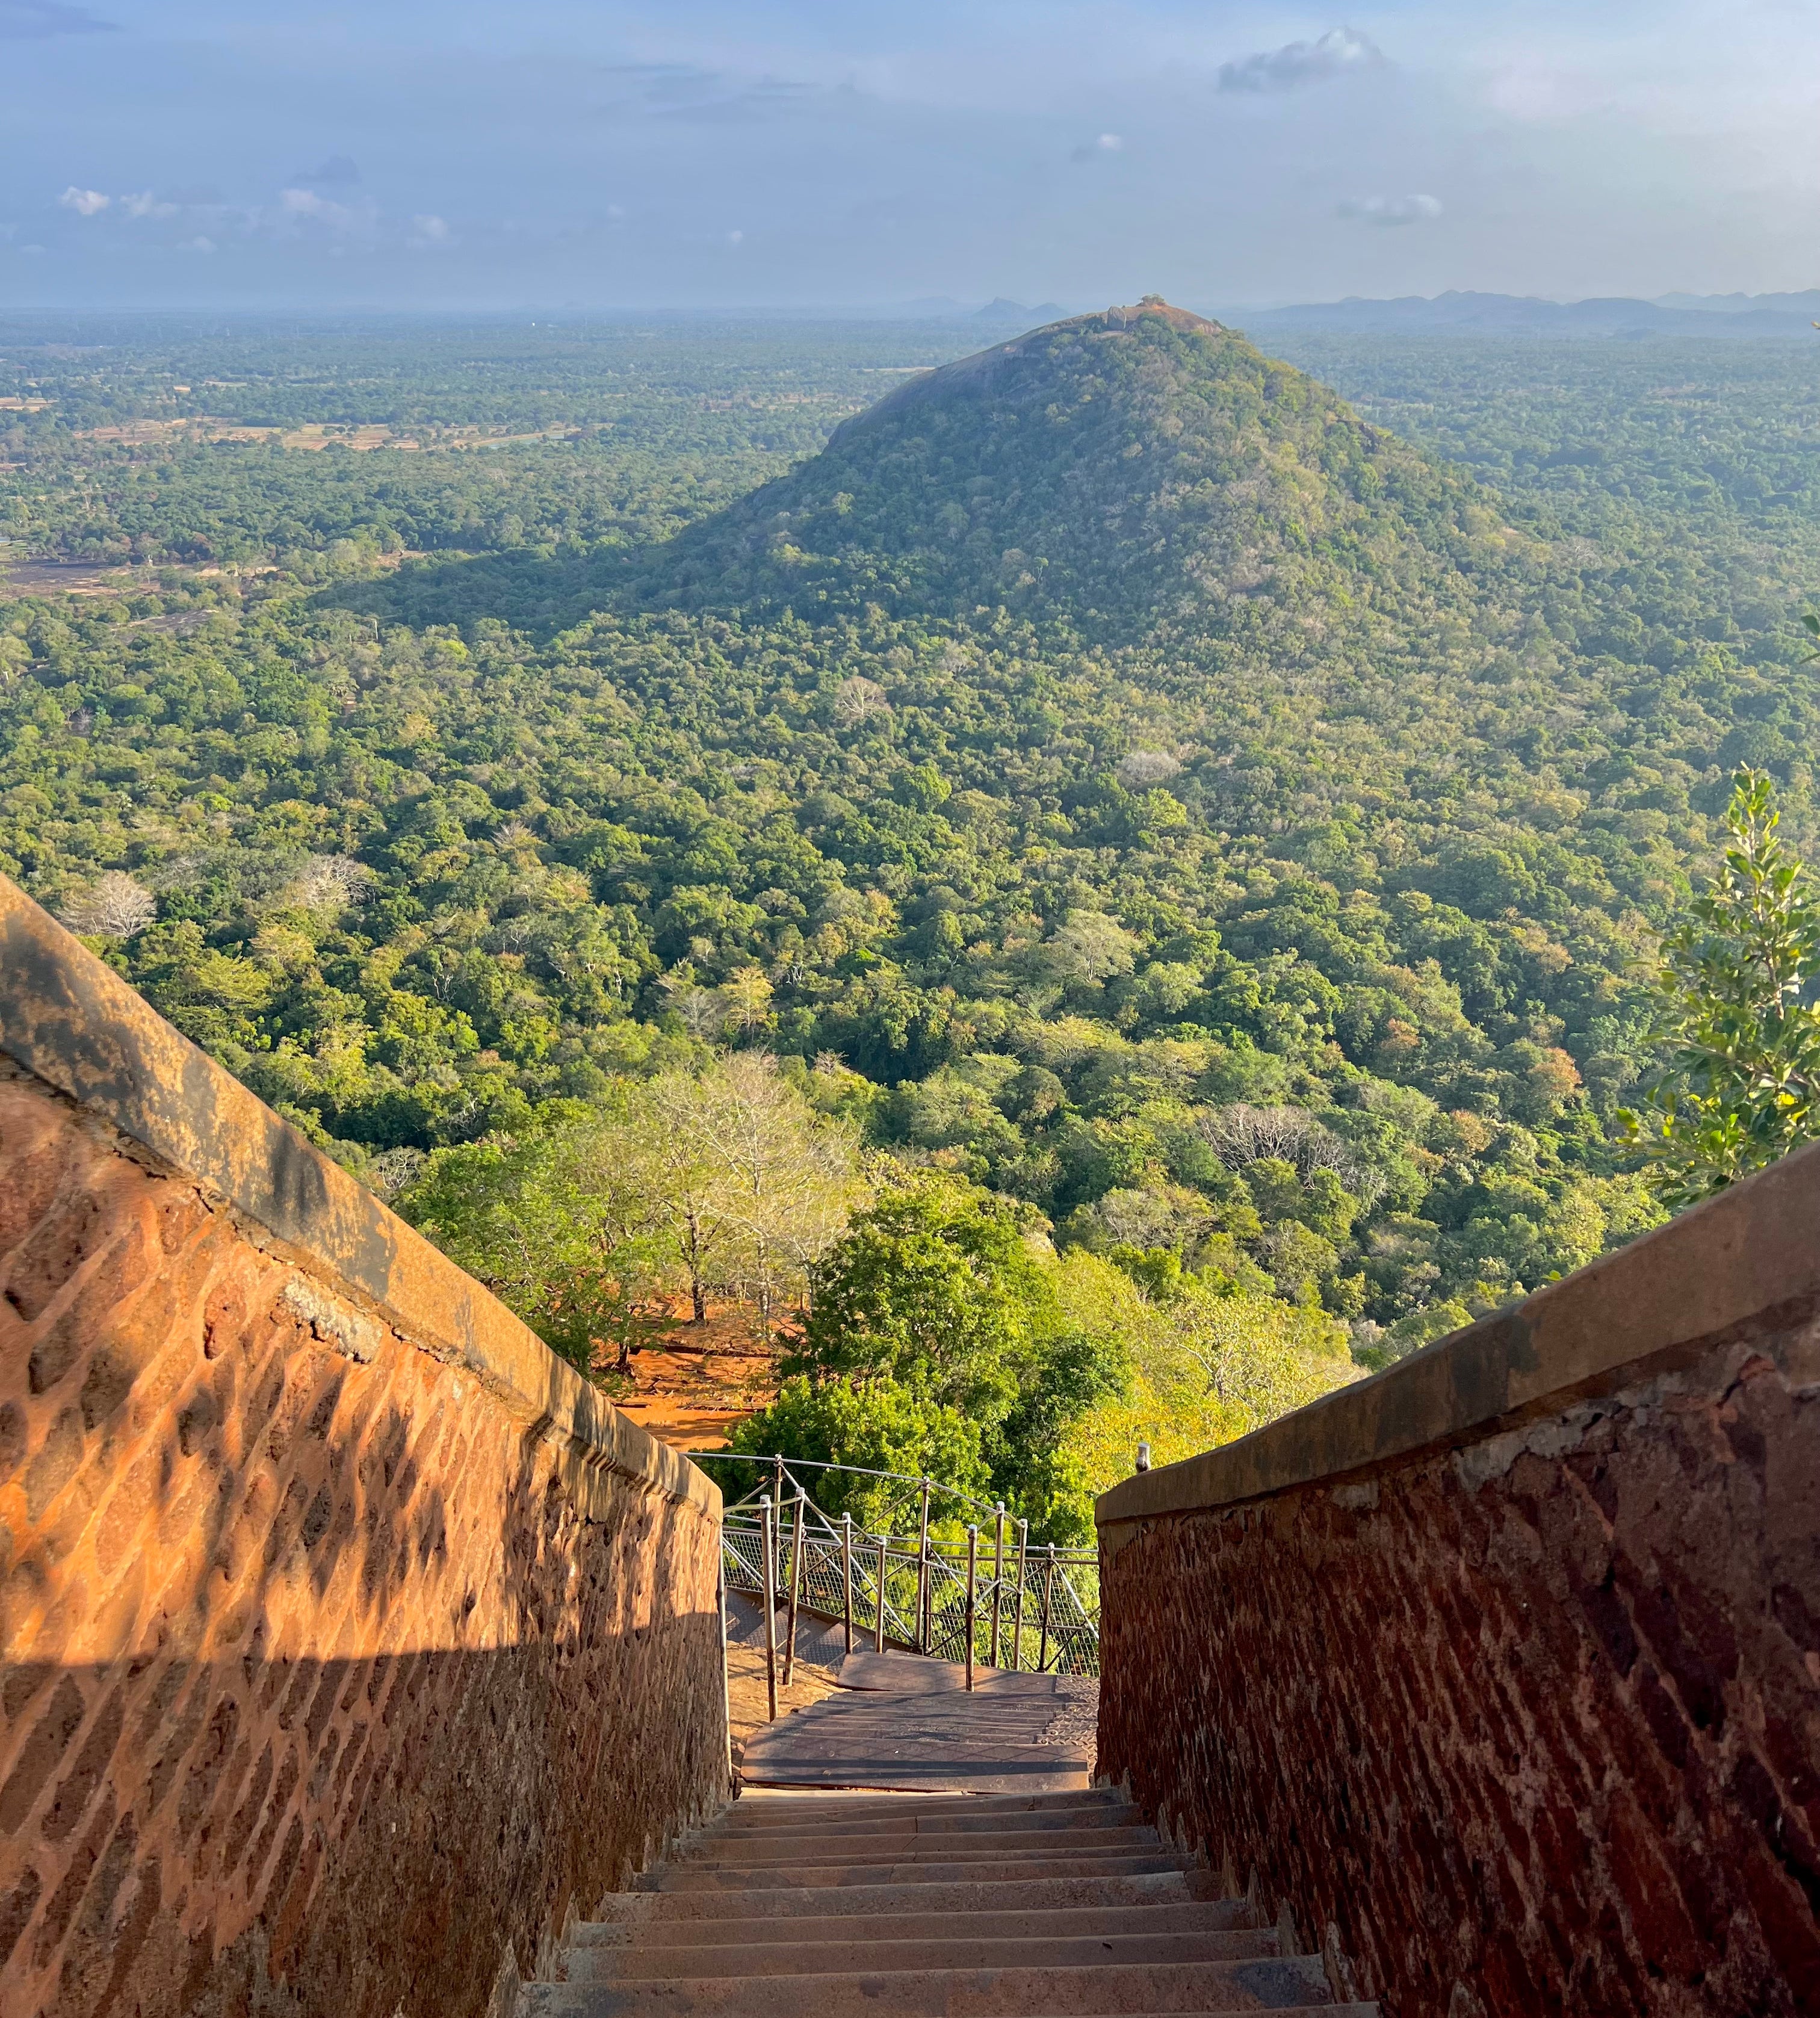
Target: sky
445,154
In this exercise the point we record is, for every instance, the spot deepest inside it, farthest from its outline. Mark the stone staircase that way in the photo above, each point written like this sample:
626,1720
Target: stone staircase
1067,1905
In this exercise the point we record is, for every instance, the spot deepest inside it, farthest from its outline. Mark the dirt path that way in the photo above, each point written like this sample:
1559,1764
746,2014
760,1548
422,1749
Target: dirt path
747,1705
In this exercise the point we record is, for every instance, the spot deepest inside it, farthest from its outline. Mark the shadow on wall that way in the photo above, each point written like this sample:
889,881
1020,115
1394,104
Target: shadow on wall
1503,1669
321,1689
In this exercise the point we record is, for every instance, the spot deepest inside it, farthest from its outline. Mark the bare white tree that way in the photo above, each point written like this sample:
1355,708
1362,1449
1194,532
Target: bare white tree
329,883
1242,1134
1143,768
857,699
391,1169
704,1010
113,906
763,1183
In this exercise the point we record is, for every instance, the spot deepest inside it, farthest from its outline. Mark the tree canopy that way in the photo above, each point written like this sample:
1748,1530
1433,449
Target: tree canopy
1262,897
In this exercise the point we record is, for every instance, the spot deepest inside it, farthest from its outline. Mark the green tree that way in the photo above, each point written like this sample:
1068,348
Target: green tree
1740,1084
569,1224
940,1313
1205,1368
884,1427
932,1287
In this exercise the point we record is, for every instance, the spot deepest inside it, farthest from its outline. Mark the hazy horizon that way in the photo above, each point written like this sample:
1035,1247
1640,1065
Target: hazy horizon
796,155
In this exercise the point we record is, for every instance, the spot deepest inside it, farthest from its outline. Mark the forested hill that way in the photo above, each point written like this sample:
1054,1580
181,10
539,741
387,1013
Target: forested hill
1134,474
1263,887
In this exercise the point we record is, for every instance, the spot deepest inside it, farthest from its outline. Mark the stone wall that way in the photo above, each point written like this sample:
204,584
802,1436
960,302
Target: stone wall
1502,1669
348,1641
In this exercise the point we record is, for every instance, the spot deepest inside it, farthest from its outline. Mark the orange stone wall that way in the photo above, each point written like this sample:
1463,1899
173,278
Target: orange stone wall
1501,1670
329,1678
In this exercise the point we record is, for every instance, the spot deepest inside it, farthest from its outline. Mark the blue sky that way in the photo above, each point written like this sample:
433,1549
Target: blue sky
803,152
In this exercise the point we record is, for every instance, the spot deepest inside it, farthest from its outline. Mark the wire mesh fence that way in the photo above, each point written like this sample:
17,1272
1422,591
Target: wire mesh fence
914,1582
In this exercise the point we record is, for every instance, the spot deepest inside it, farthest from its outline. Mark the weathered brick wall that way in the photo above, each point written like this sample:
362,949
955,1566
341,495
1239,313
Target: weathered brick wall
319,1687
329,1669
1531,1719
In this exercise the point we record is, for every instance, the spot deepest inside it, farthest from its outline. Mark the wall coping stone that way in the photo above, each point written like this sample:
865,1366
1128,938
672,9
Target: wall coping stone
1746,1260
69,1020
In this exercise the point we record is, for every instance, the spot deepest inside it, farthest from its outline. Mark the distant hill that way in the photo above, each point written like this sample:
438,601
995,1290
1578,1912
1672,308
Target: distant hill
1001,310
1137,471
1806,304
1525,314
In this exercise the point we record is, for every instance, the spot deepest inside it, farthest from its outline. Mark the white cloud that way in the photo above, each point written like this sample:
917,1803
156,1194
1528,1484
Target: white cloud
1584,149
146,204
301,208
84,203
306,203
429,230
197,245
1334,54
736,238
1391,210
1110,143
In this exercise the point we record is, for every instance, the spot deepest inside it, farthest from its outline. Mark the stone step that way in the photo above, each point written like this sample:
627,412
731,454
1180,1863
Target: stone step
762,1807
983,1714
1084,1864
969,1819
995,1922
896,1846
1274,1984
910,1770
869,1950
762,1905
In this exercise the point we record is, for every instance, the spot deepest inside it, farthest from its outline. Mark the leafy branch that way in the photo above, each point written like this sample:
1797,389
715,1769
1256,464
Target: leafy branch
1740,1086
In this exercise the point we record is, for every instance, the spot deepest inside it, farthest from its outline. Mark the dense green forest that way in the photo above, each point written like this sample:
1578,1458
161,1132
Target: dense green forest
1232,824
517,436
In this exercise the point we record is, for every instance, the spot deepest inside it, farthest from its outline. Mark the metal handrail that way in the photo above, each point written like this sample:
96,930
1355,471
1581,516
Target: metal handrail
782,1468
1036,1608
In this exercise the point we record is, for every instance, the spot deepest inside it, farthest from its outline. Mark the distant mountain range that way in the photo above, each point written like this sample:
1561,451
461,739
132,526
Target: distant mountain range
1736,315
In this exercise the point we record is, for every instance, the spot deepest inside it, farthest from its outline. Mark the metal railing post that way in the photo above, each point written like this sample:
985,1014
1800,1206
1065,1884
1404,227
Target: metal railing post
847,1577
1048,1586
726,1683
923,1620
998,1581
796,1514
972,1598
765,1511
1068,1638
